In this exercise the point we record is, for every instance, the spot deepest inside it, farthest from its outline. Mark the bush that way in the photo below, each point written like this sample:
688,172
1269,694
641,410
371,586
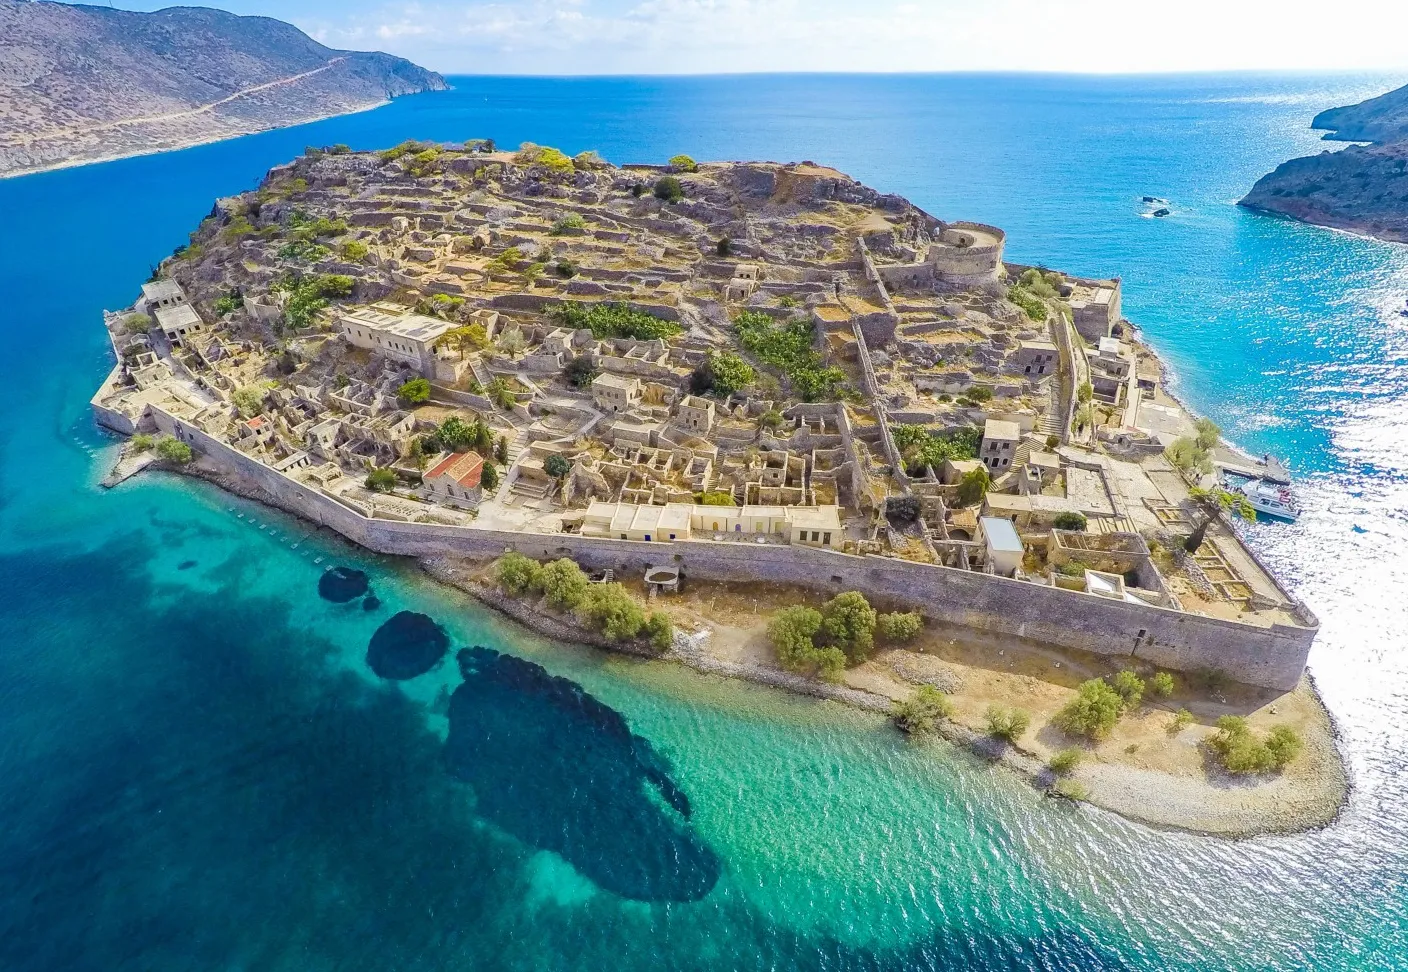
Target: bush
669,189
1093,712
1161,684
1069,520
414,392
1052,441
248,401
518,575
1236,747
610,610
1181,720
901,510
787,347
923,710
1071,790
612,320
715,498
489,478
683,163
1007,724
899,627
1065,762
564,584
579,372
1031,305
730,372
567,222
659,631
771,419
724,247
141,442
848,623
380,480
565,269
556,466
1130,688
172,449
227,304
791,631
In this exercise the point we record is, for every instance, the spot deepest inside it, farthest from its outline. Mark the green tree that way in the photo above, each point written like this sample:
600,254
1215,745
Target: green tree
580,372
172,449
848,622
683,163
791,631
500,392
770,419
501,450
1007,724
1069,520
899,627
1210,501
249,400
923,710
564,584
669,189
518,575
512,342
489,478
610,609
141,442
1239,751
973,486
414,392
1065,762
470,337
1130,688
456,435
556,465
1161,684
1093,712
659,631
1209,435
1085,392
730,372
381,479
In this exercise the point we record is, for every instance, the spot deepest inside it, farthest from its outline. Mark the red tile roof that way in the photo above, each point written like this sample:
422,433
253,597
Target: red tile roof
464,468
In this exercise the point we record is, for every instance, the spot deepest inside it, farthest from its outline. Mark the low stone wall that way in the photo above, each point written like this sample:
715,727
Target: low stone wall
1272,657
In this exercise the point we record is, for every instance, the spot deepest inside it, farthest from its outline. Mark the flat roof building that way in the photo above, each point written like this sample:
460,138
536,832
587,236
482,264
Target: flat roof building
812,526
177,321
1000,441
1004,546
396,334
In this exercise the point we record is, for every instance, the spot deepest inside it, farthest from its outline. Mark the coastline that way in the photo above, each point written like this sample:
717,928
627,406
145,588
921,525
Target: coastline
74,163
1217,806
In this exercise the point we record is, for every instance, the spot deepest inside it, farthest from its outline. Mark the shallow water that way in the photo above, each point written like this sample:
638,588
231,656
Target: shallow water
199,770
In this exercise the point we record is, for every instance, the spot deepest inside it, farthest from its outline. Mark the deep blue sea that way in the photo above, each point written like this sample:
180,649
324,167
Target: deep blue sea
199,771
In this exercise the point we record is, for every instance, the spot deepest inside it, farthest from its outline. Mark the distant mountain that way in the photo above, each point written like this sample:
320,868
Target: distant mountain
82,83
1363,188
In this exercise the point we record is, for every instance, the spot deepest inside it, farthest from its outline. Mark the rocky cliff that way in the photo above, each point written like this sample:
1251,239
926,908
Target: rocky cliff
82,83
1363,188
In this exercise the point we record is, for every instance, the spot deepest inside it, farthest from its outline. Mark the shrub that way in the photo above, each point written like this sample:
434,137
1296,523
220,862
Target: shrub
683,163
612,320
248,401
902,509
609,609
1052,441
1071,790
380,480
1239,751
1093,712
1130,687
141,442
669,189
414,392
1030,303
787,347
489,478
923,710
501,449
730,372
136,323
724,247
564,584
1181,720
518,574
1161,684
898,627
556,466
717,498
355,250
1065,762
1007,724
1283,744
771,419
499,390
567,222
579,371
658,630
227,304
1069,520
172,449
791,631
848,622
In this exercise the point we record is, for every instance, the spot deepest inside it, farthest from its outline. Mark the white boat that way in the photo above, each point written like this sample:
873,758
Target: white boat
1270,498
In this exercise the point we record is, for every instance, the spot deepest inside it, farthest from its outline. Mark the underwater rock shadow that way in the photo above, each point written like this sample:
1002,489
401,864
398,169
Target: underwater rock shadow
562,771
407,646
342,584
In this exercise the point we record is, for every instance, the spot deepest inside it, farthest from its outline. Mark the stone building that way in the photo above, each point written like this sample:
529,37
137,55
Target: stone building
1000,442
616,393
1095,307
455,480
395,334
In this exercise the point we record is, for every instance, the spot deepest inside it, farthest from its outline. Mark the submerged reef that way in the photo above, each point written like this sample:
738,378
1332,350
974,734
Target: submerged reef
407,646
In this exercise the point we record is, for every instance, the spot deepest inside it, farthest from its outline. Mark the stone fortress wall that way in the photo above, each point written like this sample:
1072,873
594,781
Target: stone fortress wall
1272,657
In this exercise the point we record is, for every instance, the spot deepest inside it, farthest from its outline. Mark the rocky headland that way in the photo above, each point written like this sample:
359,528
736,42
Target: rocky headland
1362,188
84,84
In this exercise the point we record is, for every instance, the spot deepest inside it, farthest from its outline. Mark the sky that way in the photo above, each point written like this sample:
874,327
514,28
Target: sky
552,37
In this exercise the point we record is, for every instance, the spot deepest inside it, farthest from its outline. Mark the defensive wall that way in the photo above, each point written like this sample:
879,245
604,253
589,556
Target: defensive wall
1273,656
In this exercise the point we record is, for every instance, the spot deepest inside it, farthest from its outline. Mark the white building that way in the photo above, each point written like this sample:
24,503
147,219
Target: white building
396,334
177,321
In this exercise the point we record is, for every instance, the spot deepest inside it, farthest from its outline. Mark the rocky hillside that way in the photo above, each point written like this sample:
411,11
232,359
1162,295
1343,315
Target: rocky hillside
1363,188
82,83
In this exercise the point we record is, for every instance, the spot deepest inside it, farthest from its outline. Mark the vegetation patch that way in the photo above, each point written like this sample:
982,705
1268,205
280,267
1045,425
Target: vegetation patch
788,348
612,320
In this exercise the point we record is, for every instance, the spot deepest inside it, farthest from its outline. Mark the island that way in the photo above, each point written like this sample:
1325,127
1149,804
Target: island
87,83
1362,188
760,419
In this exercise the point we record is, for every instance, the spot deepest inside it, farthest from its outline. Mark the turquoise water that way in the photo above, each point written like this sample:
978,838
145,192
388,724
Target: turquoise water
198,769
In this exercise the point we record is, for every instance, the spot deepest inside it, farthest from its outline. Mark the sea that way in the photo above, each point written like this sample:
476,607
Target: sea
199,770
